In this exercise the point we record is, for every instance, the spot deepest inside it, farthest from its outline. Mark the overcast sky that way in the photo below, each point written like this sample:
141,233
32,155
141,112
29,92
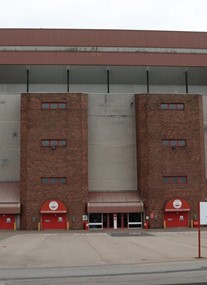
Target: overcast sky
181,15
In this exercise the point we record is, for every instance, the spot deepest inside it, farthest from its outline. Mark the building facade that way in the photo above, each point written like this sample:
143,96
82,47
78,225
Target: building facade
102,128
171,164
54,159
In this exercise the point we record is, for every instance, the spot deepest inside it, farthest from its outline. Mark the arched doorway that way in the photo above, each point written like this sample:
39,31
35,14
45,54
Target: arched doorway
177,213
53,215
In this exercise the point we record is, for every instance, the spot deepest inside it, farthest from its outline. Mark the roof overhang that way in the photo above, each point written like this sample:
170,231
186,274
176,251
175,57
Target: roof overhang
9,198
10,208
112,202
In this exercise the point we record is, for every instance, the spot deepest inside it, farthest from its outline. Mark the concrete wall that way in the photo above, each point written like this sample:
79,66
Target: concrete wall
10,110
9,137
112,142
205,127
102,88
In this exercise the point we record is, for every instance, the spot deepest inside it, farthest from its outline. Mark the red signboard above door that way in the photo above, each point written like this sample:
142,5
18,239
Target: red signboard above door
177,205
53,206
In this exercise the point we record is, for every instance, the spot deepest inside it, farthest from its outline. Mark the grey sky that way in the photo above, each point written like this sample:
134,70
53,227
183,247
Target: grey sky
181,15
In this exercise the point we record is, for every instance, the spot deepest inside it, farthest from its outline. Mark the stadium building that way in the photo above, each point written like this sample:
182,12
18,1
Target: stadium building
102,128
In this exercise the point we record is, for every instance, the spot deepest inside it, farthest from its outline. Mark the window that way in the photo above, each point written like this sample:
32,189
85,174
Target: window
45,105
62,143
45,180
174,142
95,221
175,179
166,179
53,143
53,106
183,179
180,106
45,143
62,105
135,220
166,142
53,180
172,106
164,106
62,180
181,143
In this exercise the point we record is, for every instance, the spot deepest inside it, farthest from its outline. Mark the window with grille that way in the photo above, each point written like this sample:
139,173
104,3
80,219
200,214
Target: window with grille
175,179
53,105
172,106
53,180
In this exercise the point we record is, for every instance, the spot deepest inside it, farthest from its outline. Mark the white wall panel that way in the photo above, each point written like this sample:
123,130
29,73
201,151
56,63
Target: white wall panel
112,142
9,165
9,134
9,107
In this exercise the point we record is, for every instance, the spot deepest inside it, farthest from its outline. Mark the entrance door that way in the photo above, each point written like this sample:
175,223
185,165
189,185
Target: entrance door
176,219
54,222
7,222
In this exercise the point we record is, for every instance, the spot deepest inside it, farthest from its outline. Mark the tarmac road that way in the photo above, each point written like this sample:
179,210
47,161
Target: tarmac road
193,272
120,257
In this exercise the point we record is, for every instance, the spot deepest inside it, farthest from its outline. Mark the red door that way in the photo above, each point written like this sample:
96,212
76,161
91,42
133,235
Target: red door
7,222
54,222
176,219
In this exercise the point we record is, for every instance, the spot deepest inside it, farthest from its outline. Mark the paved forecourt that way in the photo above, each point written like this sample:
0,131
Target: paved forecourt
85,248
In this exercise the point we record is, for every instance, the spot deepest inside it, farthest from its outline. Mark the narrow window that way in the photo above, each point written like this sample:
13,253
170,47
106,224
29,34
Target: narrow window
53,180
45,180
183,179
53,143
166,179
175,179
62,143
174,142
165,142
62,180
45,143
164,106
181,142
61,105
172,106
180,106
53,105
45,105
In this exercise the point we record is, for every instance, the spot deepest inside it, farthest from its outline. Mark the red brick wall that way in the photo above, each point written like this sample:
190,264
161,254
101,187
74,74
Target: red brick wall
155,160
70,161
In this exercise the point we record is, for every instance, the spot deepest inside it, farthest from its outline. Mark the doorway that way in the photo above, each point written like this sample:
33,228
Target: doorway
176,219
7,221
54,222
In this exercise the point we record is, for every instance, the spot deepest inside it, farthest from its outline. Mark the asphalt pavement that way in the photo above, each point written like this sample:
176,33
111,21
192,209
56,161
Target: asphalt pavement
100,257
